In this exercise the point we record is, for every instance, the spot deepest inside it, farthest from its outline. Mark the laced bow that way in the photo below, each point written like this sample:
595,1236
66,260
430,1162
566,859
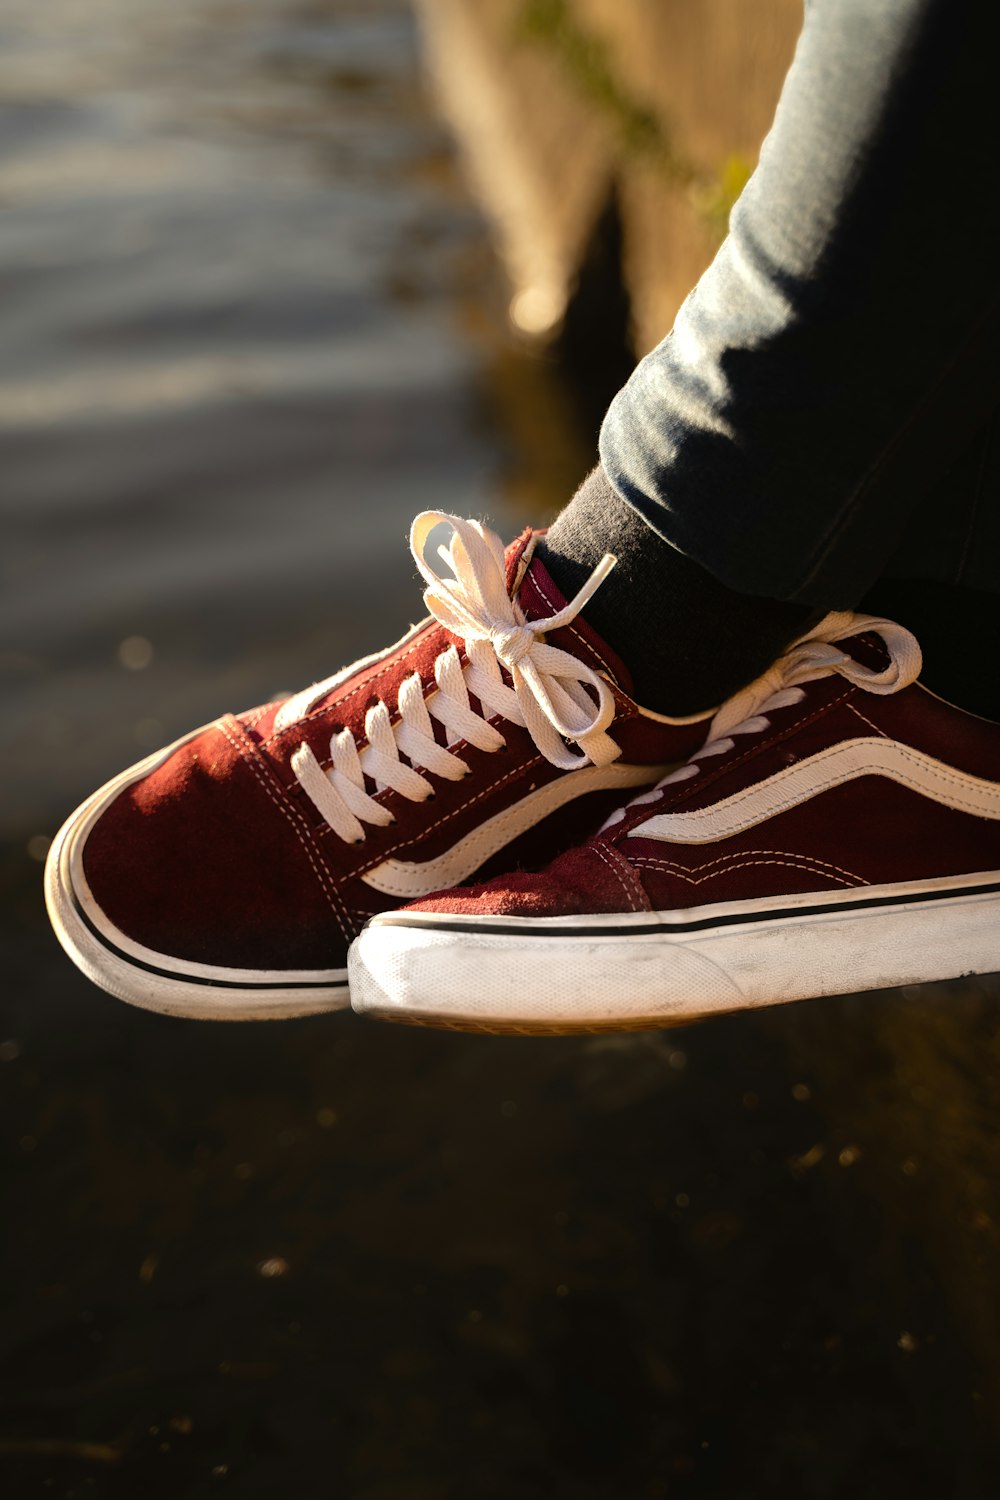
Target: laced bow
549,696
560,700
811,657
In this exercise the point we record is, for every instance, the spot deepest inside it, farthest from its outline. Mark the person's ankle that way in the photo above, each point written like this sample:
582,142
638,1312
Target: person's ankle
688,640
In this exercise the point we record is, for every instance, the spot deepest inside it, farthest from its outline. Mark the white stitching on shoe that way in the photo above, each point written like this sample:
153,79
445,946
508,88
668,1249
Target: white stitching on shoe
419,838
551,693
294,817
835,766
496,829
605,853
587,645
811,658
747,858
853,709
362,687
761,853
679,790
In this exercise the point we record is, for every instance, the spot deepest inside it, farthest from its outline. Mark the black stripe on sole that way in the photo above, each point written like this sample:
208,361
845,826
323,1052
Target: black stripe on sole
525,927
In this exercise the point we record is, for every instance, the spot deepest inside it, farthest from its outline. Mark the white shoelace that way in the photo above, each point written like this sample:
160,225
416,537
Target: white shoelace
552,693
808,659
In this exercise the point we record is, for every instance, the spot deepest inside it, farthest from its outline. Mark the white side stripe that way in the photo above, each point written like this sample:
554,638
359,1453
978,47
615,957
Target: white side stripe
821,773
397,877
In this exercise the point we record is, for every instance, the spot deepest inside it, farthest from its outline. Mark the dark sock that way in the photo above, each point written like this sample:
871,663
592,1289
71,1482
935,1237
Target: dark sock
688,641
957,631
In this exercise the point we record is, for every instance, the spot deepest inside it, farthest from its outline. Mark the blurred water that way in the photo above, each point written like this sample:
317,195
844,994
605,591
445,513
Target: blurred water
230,369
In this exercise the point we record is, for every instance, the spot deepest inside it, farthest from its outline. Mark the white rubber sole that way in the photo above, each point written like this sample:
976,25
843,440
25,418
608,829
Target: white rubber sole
159,981
652,969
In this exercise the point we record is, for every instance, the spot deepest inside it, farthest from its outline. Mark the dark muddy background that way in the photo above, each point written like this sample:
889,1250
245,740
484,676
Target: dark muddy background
254,316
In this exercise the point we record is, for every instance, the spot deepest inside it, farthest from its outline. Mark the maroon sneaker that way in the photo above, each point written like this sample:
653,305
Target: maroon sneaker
227,874
838,831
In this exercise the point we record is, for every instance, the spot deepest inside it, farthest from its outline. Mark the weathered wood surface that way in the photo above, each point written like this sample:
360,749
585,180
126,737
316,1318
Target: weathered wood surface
554,103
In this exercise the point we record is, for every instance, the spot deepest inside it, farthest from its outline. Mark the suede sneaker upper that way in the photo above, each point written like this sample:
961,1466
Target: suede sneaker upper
838,830
228,874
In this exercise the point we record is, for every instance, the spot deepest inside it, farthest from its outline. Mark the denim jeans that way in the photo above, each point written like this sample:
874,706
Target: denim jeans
821,414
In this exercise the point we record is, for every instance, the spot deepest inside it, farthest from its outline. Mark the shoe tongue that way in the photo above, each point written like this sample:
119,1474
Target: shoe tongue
514,557
540,597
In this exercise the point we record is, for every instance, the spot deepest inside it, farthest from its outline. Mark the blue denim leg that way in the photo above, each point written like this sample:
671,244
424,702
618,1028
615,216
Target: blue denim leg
840,350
